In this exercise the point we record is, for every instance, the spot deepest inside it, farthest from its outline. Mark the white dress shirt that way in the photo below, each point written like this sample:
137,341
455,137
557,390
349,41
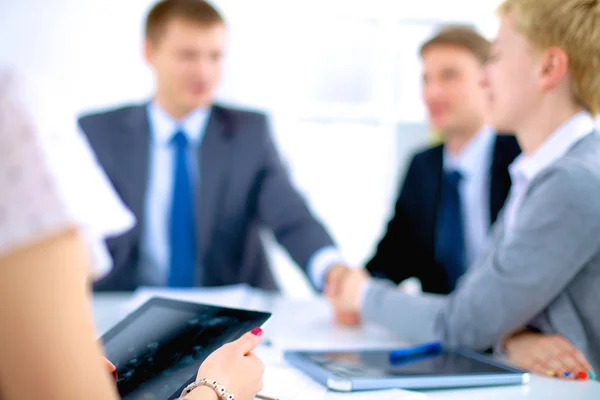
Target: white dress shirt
50,180
526,167
474,163
155,250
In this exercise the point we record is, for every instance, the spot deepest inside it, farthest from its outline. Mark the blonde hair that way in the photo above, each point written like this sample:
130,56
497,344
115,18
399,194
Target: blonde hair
574,27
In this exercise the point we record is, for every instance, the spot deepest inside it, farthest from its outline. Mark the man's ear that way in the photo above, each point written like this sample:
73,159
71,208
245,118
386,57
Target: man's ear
554,65
148,51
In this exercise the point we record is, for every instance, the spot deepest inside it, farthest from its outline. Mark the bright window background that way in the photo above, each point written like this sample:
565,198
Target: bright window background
340,79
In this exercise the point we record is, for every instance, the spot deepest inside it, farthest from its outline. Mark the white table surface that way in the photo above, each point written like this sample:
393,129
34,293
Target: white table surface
307,324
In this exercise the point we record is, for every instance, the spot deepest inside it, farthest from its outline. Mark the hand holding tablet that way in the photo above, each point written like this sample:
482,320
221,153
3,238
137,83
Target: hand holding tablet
157,349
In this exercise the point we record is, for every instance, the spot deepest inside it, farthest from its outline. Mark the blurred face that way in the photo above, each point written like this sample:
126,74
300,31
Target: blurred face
187,60
511,78
452,89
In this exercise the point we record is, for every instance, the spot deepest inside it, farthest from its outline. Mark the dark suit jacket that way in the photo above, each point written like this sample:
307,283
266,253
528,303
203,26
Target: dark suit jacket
243,186
408,247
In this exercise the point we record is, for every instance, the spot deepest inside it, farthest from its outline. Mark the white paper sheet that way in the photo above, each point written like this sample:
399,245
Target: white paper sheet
312,327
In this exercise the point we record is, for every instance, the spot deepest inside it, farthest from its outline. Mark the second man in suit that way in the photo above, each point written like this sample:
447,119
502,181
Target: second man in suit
453,192
201,178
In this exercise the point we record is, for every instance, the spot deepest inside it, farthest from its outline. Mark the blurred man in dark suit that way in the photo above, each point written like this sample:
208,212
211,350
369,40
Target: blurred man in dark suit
201,178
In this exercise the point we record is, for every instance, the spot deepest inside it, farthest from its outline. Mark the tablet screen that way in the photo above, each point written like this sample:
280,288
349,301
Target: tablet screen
157,350
377,364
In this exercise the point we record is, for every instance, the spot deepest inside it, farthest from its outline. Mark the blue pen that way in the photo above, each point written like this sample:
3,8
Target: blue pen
428,348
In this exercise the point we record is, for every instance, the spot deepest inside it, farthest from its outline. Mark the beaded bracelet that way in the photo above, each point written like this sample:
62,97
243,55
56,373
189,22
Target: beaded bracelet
220,389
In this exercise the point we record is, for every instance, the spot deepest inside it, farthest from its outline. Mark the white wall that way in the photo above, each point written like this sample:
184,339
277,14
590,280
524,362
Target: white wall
340,79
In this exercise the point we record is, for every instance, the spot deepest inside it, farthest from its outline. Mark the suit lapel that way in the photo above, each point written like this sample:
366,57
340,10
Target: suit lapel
432,182
134,157
214,160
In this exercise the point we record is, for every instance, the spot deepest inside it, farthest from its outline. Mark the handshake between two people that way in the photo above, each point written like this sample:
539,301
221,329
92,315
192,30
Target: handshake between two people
344,287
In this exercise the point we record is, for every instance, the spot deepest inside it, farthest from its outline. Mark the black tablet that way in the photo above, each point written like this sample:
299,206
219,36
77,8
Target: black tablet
158,348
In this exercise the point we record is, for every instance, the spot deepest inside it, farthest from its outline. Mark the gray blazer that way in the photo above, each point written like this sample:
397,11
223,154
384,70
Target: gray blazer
243,187
546,276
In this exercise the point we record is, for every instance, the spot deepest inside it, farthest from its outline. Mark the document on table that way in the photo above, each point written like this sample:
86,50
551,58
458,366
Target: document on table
284,382
308,324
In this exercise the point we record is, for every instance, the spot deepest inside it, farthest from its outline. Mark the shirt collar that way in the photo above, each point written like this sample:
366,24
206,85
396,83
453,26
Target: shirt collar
554,147
473,156
163,125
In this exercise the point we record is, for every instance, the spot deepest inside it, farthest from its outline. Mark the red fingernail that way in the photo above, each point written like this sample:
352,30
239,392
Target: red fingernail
115,374
257,331
582,375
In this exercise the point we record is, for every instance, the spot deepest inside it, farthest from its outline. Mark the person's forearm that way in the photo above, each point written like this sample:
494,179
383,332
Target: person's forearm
412,318
202,393
43,301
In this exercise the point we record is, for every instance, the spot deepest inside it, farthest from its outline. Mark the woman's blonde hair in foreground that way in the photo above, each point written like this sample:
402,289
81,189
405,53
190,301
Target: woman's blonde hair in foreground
573,26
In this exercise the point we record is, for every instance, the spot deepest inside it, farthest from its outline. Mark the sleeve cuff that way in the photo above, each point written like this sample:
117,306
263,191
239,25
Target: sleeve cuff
371,292
500,352
320,262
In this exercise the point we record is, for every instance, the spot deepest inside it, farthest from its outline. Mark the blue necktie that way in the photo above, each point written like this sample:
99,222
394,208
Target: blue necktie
450,240
182,236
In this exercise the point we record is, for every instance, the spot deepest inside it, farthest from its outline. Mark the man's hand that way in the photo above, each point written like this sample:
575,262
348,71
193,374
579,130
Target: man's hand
333,280
349,295
350,318
333,285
